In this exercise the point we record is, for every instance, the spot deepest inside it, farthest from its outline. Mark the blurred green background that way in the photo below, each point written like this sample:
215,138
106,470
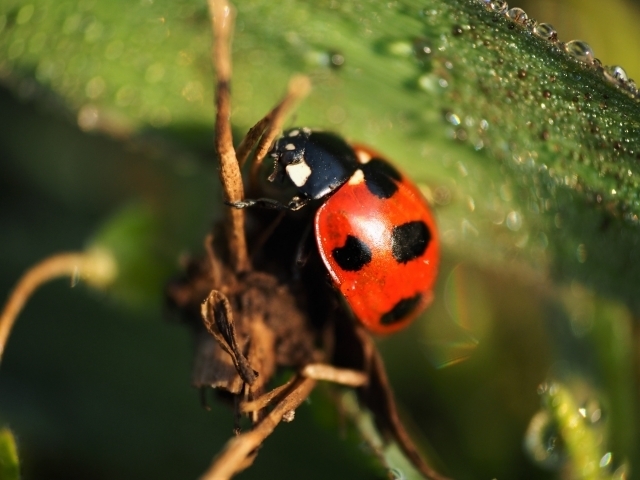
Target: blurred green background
105,136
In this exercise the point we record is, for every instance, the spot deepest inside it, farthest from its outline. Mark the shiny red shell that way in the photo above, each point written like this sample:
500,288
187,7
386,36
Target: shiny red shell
385,294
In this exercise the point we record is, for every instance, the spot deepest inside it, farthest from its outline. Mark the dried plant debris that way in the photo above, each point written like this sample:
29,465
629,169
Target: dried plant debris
254,310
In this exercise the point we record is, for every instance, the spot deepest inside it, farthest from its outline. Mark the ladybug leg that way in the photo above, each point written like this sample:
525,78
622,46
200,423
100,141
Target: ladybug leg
296,203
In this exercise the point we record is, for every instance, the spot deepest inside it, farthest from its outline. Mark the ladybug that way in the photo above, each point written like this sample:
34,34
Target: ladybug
374,231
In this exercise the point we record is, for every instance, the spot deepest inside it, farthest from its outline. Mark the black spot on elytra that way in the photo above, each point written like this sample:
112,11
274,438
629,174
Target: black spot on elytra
354,255
401,310
380,178
409,240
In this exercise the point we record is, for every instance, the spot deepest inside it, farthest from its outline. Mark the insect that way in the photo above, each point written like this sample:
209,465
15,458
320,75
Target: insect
373,228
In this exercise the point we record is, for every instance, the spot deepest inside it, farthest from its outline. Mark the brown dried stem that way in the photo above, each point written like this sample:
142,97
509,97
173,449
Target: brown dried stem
222,24
96,266
238,452
271,124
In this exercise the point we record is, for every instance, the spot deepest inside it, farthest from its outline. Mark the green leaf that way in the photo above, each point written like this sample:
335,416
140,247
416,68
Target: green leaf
9,464
529,153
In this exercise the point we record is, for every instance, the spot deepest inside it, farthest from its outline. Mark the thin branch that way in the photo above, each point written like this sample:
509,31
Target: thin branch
222,24
238,452
314,371
95,266
298,88
266,399
329,373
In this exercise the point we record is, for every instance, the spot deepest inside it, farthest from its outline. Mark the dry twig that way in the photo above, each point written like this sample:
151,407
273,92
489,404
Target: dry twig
230,176
95,266
238,452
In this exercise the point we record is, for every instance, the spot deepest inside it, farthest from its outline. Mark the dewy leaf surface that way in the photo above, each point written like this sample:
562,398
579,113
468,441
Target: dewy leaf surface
530,154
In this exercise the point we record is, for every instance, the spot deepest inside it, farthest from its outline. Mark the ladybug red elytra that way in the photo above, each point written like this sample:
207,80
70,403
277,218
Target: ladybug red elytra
373,228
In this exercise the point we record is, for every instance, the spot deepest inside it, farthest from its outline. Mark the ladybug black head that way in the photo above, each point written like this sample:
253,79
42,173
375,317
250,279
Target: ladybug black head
316,162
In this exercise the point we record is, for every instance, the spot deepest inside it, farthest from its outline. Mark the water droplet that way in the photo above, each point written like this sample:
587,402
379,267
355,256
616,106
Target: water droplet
336,59
193,92
93,31
422,48
616,74
114,50
514,221
24,14
499,6
442,196
429,83
396,474
580,50
542,441
71,23
452,118
15,49
632,87
126,96
605,461
37,42
546,31
581,253
518,15
95,87
400,48
154,73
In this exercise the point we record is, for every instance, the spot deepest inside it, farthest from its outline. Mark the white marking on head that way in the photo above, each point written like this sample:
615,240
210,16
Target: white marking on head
289,146
294,133
298,172
306,130
363,157
357,178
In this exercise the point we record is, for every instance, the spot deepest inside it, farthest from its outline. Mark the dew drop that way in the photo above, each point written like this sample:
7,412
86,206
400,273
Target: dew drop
24,14
336,60
95,87
114,50
518,15
499,6
403,49
93,32
542,441
580,50
154,73
581,253
616,74
605,461
452,118
514,221
126,96
546,31
193,92
428,83
16,49
422,48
